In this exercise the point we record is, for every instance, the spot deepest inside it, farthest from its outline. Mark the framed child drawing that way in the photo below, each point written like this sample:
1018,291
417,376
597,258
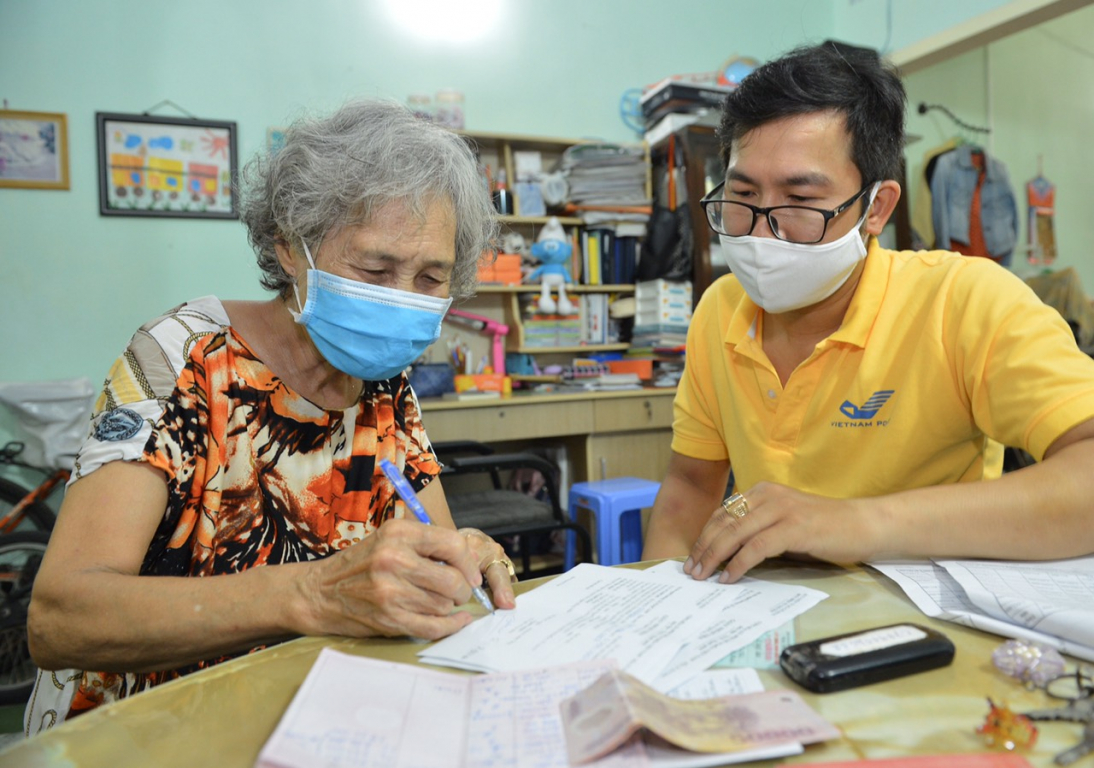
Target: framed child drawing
159,166
33,150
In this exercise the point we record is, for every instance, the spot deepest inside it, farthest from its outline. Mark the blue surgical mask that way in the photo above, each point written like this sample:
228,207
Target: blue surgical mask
364,330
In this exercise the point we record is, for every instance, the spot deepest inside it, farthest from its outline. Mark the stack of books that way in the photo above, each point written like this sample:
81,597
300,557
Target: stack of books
590,323
610,252
674,96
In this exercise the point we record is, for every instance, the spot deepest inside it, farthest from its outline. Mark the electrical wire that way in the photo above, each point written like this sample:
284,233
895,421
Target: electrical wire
888,27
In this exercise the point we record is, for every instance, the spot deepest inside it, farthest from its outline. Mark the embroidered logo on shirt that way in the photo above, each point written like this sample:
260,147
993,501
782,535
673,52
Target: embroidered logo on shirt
869,409
118,424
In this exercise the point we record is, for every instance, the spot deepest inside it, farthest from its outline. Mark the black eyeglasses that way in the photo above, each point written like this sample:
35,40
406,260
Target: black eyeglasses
792,223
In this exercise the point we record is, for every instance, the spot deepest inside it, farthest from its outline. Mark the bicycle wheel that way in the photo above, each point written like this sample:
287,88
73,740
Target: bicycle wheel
38,513
20,555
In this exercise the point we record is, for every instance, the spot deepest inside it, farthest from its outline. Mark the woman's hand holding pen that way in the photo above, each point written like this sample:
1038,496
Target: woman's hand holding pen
404,579
492,559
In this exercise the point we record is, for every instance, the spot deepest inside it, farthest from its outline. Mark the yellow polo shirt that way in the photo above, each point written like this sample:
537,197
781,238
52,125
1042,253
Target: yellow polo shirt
937,353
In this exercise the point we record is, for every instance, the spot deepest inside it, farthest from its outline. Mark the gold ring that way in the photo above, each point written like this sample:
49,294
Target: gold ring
508,566
736,505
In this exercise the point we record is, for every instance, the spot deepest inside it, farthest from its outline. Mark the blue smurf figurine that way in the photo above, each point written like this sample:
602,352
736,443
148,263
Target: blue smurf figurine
553,250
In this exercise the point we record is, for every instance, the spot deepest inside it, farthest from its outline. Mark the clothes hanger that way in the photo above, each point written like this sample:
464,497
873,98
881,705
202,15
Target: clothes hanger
966,132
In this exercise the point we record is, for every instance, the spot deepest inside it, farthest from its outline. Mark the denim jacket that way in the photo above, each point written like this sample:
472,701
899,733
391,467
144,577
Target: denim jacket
952,186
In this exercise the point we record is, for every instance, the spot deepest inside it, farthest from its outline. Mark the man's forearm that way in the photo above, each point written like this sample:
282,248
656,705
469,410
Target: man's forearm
689,494
1041,512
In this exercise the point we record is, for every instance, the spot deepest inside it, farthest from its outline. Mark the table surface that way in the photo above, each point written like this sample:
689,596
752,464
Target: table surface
223,715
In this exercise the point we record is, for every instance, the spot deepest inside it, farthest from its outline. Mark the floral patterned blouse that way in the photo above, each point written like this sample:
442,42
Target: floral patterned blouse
256,474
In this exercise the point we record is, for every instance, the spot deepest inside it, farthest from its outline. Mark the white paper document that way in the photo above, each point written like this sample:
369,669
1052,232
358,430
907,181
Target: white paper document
716,683
745,611
355,712
1050,602
659,625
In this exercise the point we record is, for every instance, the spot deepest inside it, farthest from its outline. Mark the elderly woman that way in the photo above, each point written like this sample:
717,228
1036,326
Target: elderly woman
236,434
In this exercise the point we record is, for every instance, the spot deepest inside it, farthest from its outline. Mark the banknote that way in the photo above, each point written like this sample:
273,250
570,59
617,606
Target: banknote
603,716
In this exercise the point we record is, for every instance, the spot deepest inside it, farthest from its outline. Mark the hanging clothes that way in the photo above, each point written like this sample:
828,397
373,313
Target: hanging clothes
1041,232
965,192
922,225
1063,291
976,245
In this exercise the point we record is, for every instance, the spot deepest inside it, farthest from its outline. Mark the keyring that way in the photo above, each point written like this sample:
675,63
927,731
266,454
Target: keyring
1071,686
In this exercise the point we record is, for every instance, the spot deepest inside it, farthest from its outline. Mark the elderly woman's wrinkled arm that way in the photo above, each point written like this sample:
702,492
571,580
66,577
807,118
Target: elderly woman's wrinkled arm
90,610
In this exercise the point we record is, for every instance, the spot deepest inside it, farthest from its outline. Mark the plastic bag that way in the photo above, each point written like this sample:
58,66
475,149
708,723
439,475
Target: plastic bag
668,248
667,253
54,415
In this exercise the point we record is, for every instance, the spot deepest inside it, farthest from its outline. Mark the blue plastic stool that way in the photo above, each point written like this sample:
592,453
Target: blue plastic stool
616,505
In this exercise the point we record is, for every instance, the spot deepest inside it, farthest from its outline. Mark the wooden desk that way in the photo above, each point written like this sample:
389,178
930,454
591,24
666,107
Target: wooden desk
606,434
222,716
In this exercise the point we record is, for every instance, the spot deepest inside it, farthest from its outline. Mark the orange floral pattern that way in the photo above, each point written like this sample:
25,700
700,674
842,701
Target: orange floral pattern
257,475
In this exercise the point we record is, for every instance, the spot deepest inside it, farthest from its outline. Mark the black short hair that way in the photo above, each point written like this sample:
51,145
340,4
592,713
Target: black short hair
830,76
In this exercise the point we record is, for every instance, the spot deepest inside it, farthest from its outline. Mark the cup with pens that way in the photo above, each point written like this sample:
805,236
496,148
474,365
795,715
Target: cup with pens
470,377
460,354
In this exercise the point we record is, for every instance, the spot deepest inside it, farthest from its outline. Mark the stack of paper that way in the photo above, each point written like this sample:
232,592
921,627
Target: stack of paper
606,174
352,712
605,382
659,624
1050,602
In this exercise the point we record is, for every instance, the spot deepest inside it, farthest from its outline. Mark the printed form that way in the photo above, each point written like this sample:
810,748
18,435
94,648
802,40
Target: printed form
659,625
1051,602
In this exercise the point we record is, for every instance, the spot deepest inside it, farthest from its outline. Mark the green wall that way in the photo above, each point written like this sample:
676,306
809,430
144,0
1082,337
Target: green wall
1033,90
78,284
890,25
74,285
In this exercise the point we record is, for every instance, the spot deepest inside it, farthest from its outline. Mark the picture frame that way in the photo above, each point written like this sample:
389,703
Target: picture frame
166,167
33,150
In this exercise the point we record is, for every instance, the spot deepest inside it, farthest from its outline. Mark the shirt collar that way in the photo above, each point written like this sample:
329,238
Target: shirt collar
866,303
744,324
963,154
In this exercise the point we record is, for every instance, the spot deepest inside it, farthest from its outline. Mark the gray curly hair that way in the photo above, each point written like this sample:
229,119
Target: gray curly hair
337,170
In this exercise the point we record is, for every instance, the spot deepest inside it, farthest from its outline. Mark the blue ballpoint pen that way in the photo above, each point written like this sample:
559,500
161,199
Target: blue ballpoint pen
406,493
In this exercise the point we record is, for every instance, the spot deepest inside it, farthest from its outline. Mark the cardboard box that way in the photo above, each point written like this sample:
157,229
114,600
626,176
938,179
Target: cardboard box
483,382
504,270
644,368
669,317
661,288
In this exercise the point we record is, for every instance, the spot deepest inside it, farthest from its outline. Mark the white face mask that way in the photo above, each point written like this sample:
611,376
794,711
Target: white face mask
780,276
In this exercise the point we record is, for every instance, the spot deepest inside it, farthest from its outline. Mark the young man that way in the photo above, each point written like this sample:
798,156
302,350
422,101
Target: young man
855,391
